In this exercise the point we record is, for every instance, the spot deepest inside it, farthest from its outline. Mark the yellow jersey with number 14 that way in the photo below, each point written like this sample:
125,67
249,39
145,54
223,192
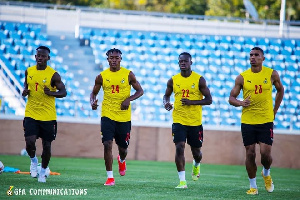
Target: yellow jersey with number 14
116,89
39,105
259,87
188,88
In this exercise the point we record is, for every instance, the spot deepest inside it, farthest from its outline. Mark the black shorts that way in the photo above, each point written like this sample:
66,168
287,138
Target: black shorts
42,129
255,133
111,129
192,134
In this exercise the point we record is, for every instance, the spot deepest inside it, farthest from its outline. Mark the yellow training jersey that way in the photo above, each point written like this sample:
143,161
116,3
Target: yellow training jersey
39,105
259,87
188,88
116,89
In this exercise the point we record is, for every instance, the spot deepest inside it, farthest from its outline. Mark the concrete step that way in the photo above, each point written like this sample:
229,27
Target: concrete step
80,59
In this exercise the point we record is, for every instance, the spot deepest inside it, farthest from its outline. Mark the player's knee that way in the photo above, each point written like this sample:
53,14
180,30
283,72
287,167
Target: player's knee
107,145
250,154
180,148
47,147
265,156
30,143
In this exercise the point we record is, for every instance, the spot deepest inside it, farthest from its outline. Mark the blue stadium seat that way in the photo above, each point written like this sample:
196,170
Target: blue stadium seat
218,58
23,27
251,41
226,40
15,35
223,47
263,42
275,42
29,35
286,52
11,50
3,34
9,26
35,28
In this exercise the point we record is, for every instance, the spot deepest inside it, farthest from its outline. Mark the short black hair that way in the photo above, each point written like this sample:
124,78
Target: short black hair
43,47
113,50
185,53
259,49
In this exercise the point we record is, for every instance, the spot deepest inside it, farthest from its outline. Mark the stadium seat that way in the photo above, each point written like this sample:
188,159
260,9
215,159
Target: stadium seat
153,57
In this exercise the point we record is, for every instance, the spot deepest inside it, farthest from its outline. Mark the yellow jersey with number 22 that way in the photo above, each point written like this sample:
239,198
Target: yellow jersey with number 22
188,88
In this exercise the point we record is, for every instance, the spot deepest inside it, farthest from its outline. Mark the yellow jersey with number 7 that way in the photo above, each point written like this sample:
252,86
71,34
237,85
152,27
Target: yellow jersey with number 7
39,105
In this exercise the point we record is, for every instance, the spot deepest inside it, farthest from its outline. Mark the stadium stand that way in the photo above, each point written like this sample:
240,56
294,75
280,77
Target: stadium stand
18,43
218,58
153,58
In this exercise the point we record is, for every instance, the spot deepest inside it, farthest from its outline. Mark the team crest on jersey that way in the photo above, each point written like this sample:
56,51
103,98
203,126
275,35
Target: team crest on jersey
265,81
123,80
193,86
45,80
178,85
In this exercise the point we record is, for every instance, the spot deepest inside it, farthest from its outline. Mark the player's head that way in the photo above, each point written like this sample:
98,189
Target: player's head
42,55
256,56
185,61
114,57
259,49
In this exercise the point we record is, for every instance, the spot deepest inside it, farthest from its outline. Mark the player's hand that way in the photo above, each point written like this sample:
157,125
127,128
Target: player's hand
94,104
168,106
25,92
125,104
246,102
186,102
274,114
47,91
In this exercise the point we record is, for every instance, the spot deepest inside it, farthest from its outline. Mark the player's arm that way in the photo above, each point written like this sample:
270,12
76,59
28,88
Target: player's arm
138,91
279,90
25,91
239,81
206,93
166,99
95,91
60,86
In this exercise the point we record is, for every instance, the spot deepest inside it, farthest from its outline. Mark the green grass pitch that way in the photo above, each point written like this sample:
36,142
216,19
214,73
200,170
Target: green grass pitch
143,180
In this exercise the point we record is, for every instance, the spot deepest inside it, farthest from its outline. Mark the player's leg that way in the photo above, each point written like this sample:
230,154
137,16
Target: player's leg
180,163
108,157
251,168
266,158
31,132
49,130
195,140
107,132
179,138
250,140
197,155
121,160
266,161
250,161
265,143
46,156
122,139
